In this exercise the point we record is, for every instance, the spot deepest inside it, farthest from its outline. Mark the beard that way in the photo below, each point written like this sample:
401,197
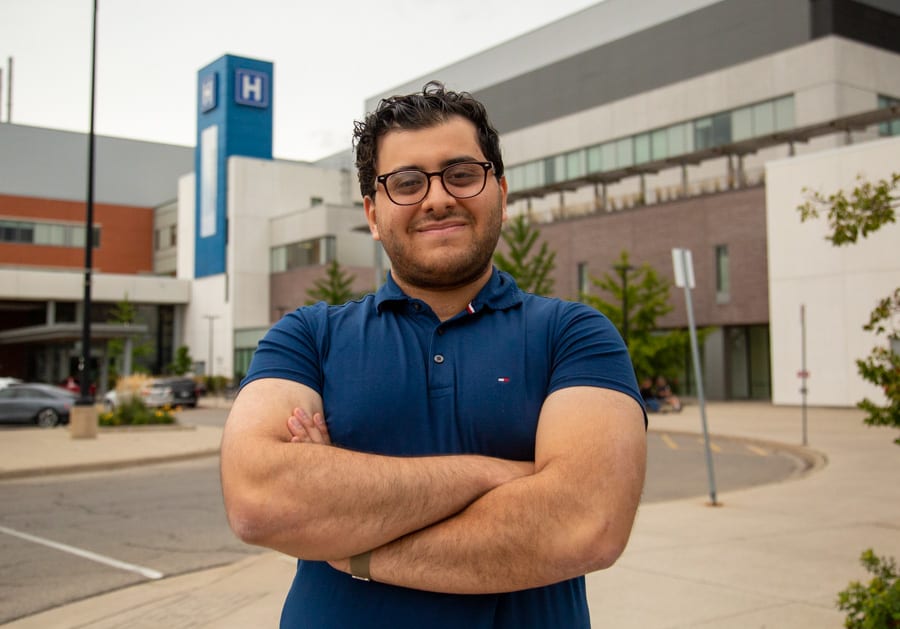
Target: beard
461,266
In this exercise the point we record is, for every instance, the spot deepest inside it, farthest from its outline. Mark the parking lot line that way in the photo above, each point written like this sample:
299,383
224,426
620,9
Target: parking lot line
756,450
669,442
86,554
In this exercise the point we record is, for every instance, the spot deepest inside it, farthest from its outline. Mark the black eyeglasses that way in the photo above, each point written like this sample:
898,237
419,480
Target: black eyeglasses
462,180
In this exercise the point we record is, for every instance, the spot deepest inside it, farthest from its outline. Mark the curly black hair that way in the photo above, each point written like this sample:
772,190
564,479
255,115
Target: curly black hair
433,105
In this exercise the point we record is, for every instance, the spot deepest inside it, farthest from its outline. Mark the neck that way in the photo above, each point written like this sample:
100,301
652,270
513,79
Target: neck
449,302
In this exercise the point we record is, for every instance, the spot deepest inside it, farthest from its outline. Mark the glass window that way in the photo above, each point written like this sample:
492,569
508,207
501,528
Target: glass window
595,159
278,259
723,275
583,280
624,153
891,127
784,113
703,133
575,164
608,151
559,168
75,236
680,139
642,148
534,174
721,129
515,177
742,124
764,118
660,144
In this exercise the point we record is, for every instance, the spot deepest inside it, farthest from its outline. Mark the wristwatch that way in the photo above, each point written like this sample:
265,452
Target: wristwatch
359,566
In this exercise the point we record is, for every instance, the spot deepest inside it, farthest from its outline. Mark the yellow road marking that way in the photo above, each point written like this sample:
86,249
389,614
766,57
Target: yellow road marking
757,450
712,446
669,442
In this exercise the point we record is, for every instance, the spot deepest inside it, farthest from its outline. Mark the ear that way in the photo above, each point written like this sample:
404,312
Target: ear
369,207
503,191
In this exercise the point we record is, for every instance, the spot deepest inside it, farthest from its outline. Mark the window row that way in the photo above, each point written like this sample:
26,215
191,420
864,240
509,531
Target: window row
45,233
695,135
300,254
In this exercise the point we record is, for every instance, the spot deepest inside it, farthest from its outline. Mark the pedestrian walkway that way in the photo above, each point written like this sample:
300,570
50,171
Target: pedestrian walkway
771,556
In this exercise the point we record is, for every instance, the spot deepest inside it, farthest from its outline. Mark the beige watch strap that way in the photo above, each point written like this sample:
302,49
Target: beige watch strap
359,566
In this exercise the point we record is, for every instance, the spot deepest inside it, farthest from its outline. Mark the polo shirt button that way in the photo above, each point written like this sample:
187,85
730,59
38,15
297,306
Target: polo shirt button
438,358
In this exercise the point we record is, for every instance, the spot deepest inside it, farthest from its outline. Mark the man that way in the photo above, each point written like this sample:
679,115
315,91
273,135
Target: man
465,450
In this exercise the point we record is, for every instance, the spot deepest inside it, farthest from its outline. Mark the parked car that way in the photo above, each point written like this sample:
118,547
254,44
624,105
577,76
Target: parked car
164,391
45,405
172,391
5,381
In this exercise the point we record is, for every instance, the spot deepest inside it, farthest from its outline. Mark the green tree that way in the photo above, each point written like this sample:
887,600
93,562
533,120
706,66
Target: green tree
866,209
183,361
334,288
531,269
876,605
124,312
638,297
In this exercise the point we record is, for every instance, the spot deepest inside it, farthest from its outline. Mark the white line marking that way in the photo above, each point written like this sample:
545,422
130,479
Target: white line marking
146,572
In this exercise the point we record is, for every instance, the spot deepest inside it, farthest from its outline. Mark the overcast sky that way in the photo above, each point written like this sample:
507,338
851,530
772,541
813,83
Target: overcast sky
329,56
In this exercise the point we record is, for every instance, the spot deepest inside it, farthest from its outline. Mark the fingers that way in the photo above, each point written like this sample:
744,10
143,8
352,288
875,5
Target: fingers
306,429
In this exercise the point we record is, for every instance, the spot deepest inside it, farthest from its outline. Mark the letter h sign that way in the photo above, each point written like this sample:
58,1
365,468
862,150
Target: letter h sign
251,88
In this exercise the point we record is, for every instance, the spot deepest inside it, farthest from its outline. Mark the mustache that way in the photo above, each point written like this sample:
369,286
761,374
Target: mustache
455,216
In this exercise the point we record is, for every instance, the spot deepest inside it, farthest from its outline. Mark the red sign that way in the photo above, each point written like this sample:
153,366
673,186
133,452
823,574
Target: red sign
803,374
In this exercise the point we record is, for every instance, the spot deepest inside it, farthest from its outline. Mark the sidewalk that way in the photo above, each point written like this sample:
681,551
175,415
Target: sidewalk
771,556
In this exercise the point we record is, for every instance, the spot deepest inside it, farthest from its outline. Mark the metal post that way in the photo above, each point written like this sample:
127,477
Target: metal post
84,359
804,374
211,319
9,89
684,276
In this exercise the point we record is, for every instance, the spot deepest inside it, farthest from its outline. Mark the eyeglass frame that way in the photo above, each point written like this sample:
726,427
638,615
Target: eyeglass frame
382,179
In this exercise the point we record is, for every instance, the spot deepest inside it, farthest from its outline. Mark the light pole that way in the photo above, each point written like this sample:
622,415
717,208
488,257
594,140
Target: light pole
211,319
623,268
84,359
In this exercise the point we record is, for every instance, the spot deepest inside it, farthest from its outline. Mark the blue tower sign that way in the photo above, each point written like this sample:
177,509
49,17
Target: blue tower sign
234,117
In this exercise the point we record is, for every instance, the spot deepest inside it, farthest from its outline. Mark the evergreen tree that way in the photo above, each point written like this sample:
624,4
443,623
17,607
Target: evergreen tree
335,288
638,297
868,208
530,269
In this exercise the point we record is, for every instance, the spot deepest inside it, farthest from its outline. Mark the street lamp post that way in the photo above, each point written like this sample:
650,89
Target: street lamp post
211,319
83,420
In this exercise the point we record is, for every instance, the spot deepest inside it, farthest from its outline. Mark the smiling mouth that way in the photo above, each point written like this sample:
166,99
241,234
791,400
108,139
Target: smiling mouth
440,227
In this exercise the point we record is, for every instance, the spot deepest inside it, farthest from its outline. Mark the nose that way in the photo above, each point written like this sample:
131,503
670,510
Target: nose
437,198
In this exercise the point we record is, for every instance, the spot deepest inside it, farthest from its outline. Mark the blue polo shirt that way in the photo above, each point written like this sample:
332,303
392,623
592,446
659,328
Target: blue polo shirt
395,380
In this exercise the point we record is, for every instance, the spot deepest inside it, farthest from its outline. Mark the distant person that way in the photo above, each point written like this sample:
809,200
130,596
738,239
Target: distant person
450,452
648,394
663,392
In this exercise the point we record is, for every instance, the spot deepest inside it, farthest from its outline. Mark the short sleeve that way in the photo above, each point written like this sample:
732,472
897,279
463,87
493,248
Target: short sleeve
292,348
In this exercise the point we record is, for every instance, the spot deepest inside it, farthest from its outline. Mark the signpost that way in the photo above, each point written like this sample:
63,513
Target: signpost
803,374
684,277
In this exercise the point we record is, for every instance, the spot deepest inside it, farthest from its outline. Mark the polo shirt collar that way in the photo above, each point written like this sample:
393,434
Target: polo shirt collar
500,293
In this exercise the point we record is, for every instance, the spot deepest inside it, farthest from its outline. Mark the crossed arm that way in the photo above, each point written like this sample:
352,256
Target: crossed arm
464,524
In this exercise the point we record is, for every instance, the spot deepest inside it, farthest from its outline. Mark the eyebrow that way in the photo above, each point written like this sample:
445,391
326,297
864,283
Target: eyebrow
443,165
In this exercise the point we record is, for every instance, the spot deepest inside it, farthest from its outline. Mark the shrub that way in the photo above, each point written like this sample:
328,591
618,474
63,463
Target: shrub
876,605
133,412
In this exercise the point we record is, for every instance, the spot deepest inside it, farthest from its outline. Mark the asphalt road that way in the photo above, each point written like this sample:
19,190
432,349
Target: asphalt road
92,533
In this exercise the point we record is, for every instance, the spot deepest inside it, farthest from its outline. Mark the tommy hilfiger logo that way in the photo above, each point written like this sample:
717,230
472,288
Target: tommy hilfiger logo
503,379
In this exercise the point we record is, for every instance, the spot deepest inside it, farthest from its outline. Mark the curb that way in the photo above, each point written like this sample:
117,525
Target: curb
105,465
